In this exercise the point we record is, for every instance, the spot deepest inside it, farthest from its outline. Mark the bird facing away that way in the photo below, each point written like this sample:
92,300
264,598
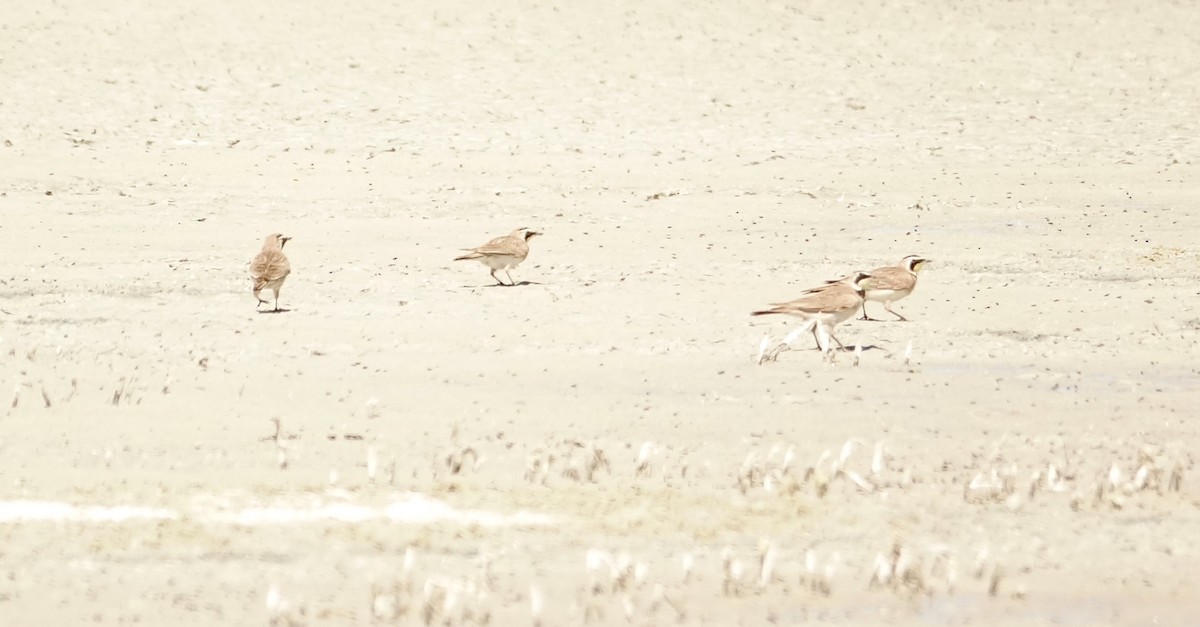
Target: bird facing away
891,283
502,253
270,267
827,306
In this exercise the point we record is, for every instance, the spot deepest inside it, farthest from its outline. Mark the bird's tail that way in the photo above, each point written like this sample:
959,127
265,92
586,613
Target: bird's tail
470,255
765,312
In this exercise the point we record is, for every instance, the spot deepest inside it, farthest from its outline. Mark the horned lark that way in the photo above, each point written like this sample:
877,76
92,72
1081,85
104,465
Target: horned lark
270,267
503,253
825,307
891,283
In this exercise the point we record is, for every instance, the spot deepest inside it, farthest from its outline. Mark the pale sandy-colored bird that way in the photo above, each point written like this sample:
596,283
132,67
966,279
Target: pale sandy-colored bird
270,267
502,253
889,284
827,306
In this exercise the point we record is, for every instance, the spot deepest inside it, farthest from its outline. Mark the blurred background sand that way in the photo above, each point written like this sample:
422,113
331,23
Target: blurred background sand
688,163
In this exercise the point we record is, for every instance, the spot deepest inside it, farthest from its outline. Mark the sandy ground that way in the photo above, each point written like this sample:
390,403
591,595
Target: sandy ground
688,162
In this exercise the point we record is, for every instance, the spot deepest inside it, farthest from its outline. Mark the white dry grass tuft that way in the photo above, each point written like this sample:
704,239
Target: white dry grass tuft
537,605
645,458
283,612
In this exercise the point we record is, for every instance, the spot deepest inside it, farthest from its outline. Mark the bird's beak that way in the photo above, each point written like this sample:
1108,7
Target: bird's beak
284,240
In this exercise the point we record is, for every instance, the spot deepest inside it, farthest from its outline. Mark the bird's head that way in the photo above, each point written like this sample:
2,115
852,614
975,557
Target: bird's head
914,263
275,239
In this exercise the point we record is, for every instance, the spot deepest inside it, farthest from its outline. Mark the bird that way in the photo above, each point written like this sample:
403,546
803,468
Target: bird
502,253
826,306
889,284
270,267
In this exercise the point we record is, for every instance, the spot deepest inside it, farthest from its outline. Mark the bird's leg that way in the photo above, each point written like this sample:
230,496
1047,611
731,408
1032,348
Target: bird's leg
498,281
276,300
510,279
865,316
831,335
888,307
259,298
823,337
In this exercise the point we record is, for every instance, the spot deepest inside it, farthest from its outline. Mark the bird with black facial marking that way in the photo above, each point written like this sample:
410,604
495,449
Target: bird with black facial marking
889,284
825,307
270,268
502,253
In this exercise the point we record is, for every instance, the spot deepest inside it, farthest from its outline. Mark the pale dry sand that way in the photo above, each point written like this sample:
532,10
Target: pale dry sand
688,162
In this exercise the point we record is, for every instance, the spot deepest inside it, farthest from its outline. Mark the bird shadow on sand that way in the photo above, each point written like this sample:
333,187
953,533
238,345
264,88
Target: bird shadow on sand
517,284
273,311
849,348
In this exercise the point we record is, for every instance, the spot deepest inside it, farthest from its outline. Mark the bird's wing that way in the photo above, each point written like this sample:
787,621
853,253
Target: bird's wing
506,245
837,297
827,285
270,265
891,278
